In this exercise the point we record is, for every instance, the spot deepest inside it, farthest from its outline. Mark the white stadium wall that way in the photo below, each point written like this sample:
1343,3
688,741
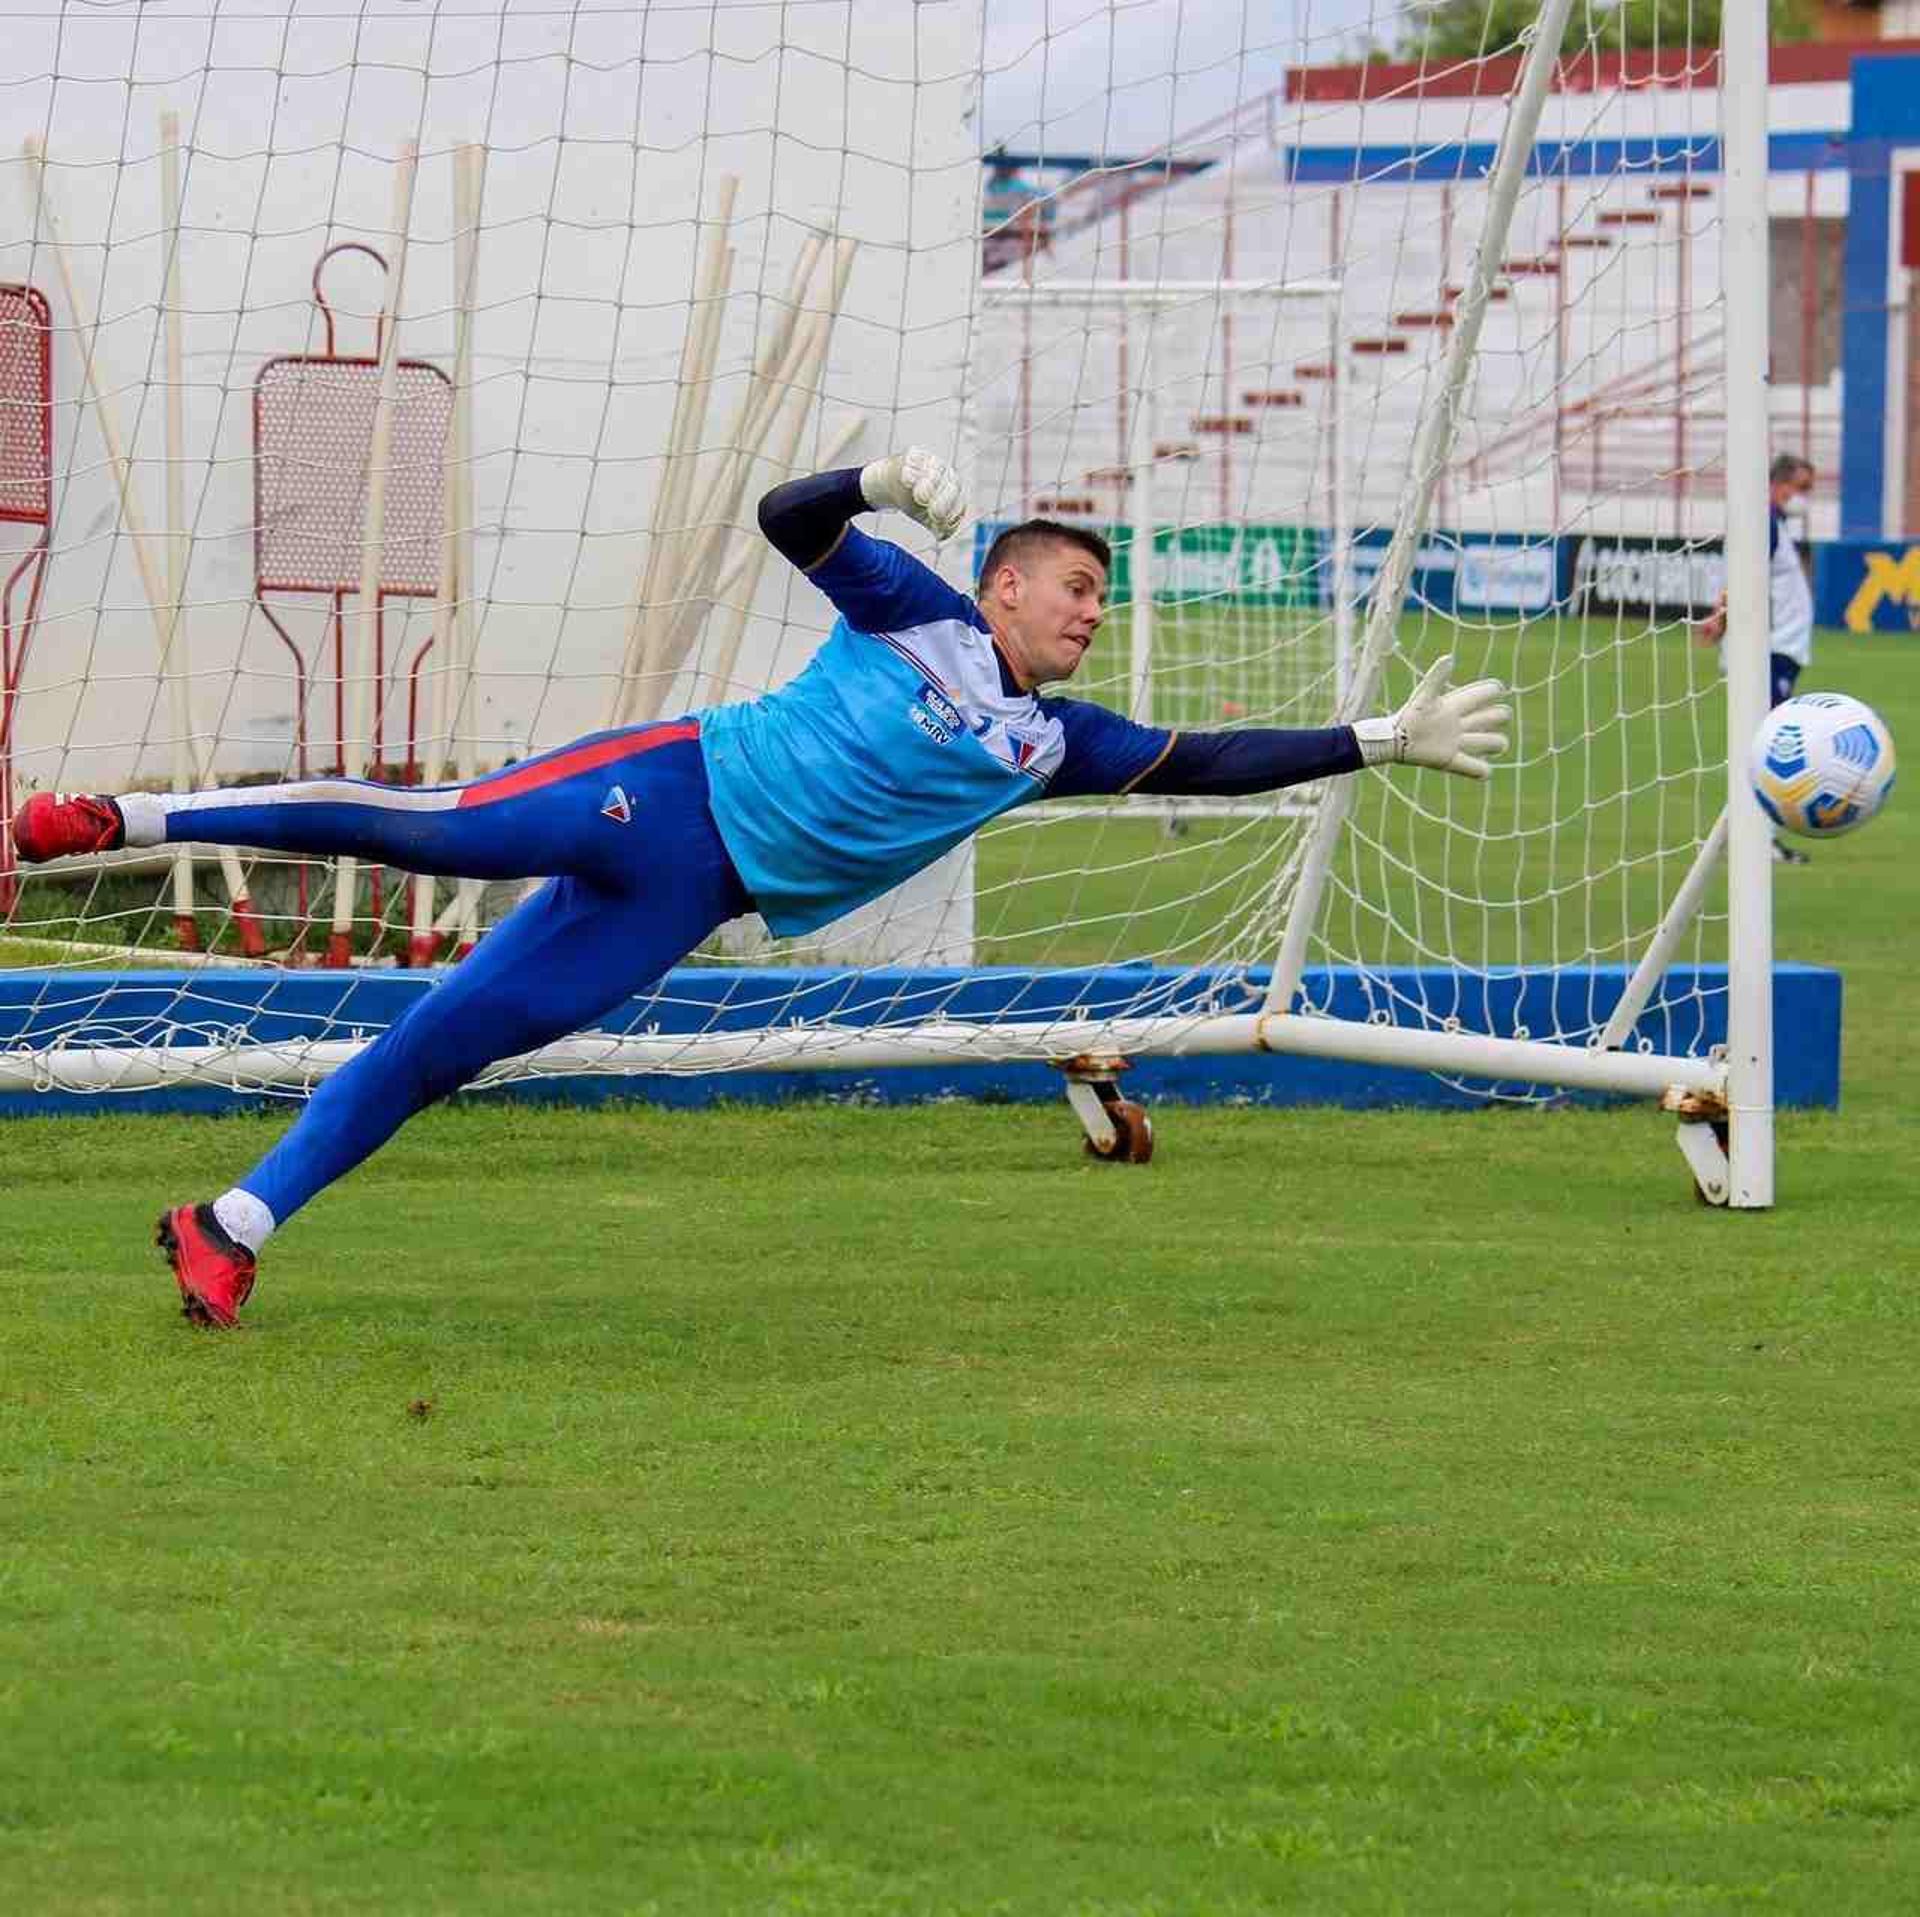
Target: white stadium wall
607,135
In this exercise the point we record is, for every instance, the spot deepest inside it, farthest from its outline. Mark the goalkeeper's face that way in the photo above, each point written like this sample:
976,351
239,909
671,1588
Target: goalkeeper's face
1050,606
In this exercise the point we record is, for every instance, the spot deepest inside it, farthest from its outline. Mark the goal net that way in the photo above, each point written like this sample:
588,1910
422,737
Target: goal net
406,383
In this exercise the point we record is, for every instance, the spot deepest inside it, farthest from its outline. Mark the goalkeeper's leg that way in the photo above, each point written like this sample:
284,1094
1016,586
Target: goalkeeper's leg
579,949
568,956
560,812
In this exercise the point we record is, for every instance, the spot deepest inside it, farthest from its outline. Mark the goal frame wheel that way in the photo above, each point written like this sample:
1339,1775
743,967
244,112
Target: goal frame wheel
1118,1129
1704,1139
1132,1135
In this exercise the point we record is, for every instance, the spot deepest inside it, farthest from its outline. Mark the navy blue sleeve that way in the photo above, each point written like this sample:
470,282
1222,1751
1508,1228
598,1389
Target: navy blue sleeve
882,588
1251,759
1105,753
802,518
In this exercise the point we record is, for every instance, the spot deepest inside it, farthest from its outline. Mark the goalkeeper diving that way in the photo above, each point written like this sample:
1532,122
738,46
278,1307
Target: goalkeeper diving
920,718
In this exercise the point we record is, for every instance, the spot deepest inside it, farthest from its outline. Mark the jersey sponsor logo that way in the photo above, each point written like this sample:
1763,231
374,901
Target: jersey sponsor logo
616,805
941,707
929,724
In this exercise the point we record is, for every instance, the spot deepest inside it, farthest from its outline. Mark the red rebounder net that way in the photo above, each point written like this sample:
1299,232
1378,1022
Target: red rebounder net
312,438
313,428
26,498
313,420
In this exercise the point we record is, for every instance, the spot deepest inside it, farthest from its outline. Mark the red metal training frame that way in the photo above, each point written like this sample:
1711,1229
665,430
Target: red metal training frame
26,498
312,439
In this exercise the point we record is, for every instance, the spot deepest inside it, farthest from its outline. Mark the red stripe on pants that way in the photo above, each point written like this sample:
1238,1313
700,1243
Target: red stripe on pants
576,759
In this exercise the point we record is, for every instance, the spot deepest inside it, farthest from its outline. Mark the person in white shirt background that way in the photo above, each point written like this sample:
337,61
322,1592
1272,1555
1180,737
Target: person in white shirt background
1789,599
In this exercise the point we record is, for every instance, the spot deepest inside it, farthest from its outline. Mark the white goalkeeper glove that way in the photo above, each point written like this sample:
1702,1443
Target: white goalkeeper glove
920,484
1452,731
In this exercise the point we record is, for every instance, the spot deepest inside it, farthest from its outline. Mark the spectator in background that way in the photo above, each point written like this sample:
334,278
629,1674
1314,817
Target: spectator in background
1789,600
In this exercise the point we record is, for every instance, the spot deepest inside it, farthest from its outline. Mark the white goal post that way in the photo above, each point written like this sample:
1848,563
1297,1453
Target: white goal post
1163,302
1369,310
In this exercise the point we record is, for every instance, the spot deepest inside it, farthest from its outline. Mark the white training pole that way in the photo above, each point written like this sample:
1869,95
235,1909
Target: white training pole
1341,516
740,583
188,773
694,588
433,764
792,395
671,637
699,351
162,605
85,337
1433,444
1146,425
453,615
775,367
356,749
174,662
666,539
775,371
1746,294
470,184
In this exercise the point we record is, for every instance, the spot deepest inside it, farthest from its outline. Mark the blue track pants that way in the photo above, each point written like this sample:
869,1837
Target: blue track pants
621,817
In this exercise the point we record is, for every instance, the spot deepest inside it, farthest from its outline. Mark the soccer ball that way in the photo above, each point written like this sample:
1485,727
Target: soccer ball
1822,764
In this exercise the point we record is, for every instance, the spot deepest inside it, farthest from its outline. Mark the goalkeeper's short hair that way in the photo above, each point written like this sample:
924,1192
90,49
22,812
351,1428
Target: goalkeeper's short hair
1019,543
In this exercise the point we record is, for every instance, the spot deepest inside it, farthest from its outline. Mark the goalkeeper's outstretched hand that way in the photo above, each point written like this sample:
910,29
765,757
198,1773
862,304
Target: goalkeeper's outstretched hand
1455,730
920,484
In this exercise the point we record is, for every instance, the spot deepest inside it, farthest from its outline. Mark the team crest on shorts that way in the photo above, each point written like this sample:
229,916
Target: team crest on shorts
615,805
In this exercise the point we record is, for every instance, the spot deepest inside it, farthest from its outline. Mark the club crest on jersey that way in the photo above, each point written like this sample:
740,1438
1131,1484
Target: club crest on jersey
1018,747
615,805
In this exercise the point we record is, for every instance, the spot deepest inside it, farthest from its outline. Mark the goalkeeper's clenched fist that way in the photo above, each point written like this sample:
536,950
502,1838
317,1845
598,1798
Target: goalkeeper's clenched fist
920,484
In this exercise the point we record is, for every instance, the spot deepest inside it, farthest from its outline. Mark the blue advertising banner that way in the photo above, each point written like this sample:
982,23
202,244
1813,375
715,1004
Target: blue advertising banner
1291,567
1688,1014
1626,574
1471,572
1208,564
1859,585
1867,585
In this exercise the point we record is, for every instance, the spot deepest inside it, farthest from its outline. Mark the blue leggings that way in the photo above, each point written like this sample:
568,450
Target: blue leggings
621,817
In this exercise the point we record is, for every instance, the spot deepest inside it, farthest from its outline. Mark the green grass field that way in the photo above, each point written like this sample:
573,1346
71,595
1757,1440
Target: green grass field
855,1511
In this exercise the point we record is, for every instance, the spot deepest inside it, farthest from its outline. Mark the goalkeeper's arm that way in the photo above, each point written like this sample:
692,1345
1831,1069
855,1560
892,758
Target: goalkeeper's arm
807,518
1451,729
877,585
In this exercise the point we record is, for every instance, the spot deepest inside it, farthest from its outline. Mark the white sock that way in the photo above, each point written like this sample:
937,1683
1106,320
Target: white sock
243,1218
145,817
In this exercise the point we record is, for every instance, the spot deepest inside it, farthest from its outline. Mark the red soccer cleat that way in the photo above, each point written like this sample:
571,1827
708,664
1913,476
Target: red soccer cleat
56,825
213,1272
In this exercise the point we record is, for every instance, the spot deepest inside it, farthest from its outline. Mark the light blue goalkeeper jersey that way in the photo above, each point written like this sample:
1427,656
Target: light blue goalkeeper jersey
900,738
